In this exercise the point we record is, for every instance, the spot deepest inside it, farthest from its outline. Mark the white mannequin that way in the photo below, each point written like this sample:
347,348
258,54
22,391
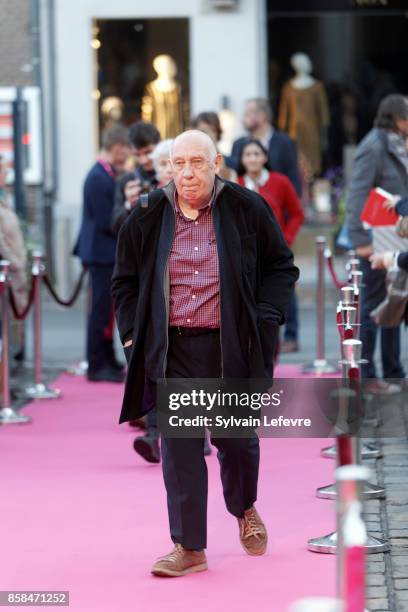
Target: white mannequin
166,70
302,65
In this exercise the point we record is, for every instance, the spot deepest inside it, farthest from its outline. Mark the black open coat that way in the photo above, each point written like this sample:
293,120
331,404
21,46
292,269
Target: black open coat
257,277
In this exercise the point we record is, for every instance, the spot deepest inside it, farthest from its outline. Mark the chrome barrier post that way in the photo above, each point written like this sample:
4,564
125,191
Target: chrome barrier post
39,390
352,447
352,537
352,265
356,280
369,450
8,416
320,365
348,452
346,320
351,298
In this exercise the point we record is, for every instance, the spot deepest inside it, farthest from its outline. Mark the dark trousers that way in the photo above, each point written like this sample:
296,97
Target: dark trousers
184,466
373,293
292,320
99,348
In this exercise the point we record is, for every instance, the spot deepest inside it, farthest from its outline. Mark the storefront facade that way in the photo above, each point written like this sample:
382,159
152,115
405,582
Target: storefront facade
226,56
105,52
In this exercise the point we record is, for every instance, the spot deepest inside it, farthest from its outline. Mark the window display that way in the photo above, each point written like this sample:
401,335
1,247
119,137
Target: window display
304,112
161,103
142,71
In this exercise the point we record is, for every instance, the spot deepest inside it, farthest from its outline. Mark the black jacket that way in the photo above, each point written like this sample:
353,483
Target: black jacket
257,277
282,157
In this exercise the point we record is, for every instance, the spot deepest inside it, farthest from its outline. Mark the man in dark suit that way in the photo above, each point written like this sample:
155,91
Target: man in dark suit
202,281
96,248
257,120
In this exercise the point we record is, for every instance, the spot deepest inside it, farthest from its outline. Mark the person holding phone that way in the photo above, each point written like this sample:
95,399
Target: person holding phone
143,139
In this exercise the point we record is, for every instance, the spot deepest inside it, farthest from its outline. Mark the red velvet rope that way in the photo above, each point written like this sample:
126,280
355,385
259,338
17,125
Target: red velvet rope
338,284
22,315
73,298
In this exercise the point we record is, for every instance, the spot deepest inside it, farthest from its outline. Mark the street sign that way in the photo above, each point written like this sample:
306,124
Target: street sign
31,133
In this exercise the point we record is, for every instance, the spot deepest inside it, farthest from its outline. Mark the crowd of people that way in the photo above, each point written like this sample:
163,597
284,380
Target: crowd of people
135,161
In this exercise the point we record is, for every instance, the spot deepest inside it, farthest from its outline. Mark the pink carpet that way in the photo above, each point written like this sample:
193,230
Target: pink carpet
81,512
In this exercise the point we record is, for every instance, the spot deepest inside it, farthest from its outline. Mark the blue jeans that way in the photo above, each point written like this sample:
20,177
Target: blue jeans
373,293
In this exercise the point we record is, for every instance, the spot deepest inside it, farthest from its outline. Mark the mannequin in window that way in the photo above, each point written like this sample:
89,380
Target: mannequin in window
304,112
112,112
161,103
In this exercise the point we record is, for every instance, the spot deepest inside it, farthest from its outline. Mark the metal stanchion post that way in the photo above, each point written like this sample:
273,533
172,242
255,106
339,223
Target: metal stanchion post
320,365
348,316
352,537
368,450
356,280
39,390
8,416
351,298
346,311
352,265
348,453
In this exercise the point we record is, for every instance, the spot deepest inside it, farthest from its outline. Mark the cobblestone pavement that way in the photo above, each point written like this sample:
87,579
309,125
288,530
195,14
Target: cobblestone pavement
387,573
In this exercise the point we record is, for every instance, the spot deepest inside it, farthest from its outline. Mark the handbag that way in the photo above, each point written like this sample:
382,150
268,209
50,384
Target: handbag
391,312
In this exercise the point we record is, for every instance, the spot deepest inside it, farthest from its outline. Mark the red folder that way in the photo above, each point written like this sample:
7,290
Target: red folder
374,212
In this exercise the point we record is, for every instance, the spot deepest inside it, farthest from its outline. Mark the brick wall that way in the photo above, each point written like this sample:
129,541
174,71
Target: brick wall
15,42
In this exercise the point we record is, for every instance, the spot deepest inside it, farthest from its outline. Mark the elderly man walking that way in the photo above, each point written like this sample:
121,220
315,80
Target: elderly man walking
202,281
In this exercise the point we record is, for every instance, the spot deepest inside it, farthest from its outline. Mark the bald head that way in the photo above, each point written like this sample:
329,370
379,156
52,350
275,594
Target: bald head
195,163
193,140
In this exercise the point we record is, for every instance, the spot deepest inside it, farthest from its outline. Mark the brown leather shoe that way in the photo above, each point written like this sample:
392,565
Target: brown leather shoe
180,562
252,533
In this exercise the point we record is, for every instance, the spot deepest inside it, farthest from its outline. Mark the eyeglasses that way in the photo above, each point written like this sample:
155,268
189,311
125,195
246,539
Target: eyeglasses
197,163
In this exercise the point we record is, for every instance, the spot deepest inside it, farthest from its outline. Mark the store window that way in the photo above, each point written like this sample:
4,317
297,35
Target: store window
357,56
142,72
354,49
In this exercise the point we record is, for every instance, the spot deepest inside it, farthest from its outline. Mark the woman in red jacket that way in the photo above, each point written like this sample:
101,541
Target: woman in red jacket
255,174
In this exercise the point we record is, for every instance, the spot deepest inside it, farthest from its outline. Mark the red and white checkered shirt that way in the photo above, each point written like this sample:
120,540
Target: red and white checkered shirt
193,271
